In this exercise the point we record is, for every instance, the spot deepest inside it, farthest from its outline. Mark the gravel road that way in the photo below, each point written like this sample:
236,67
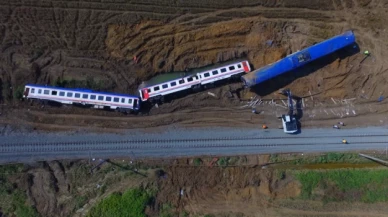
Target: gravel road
177,142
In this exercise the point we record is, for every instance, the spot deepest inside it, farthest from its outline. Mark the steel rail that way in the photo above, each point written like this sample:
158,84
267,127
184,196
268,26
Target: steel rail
59,148
145,141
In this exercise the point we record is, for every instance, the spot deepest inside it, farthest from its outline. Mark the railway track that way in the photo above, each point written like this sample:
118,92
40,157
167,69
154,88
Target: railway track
180,142
210,139
147,144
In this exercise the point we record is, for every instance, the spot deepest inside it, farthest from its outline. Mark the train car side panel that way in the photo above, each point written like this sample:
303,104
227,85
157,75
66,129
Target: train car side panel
299,59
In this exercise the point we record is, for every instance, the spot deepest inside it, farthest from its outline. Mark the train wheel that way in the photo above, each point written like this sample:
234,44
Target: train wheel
196,88
30,102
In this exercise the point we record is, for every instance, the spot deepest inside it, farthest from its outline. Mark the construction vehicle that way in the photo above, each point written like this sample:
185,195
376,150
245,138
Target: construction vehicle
290,124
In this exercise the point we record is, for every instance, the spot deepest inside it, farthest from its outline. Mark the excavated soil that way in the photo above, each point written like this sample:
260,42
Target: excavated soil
95,41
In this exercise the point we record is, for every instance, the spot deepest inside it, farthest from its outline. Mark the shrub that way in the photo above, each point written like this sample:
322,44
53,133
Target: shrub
223,161
130,203
18,93
197,161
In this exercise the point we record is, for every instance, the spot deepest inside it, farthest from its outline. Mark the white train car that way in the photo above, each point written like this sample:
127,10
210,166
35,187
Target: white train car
99,100
162,85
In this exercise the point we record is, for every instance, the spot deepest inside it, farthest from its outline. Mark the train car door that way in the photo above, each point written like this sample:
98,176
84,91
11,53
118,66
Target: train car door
135,103
145,94
246,67
26,92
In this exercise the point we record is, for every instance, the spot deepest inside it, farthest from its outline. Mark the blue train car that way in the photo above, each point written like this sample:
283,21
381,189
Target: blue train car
299,59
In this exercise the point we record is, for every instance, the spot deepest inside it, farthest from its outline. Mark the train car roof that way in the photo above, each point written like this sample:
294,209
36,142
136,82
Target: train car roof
159,79
215,65
170,76
82,90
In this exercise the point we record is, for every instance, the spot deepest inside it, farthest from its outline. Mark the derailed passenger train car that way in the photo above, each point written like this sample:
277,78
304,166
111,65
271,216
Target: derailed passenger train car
100,100
299,59
155,89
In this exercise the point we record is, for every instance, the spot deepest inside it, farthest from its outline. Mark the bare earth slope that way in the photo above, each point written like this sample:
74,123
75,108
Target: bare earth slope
45,41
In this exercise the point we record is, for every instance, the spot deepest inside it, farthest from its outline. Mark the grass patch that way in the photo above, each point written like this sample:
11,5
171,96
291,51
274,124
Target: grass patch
333,158
131,203
79,175
184,214
320,159
167,210
80,201
350,185
13,200
19,204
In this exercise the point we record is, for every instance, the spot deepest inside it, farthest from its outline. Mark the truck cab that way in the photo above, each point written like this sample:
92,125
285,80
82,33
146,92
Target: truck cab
289,124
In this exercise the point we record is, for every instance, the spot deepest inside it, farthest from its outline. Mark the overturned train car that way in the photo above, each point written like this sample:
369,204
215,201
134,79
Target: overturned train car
299,59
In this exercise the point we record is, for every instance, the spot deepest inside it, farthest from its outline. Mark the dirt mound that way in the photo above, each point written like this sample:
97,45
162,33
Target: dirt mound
223,190
44,182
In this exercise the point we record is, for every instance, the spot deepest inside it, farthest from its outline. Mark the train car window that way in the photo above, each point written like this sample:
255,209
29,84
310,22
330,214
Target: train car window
181,81
108,98
164,86
92,96
61,93
69,94
77,95
231,67
122,100
173,84
149,90
46,92
190,79
196,77
33,90
101,98
223,70
207,74
156,88
129,101
303,57
54,92
239,66
85,96
116,99
39,91
215,72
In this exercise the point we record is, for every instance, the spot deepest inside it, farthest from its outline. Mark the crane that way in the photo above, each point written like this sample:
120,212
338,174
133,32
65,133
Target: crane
289,121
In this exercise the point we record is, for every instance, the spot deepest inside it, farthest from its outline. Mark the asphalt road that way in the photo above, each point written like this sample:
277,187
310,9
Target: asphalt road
176,142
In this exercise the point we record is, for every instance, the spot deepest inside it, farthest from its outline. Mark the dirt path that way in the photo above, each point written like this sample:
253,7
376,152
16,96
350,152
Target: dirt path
355,113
